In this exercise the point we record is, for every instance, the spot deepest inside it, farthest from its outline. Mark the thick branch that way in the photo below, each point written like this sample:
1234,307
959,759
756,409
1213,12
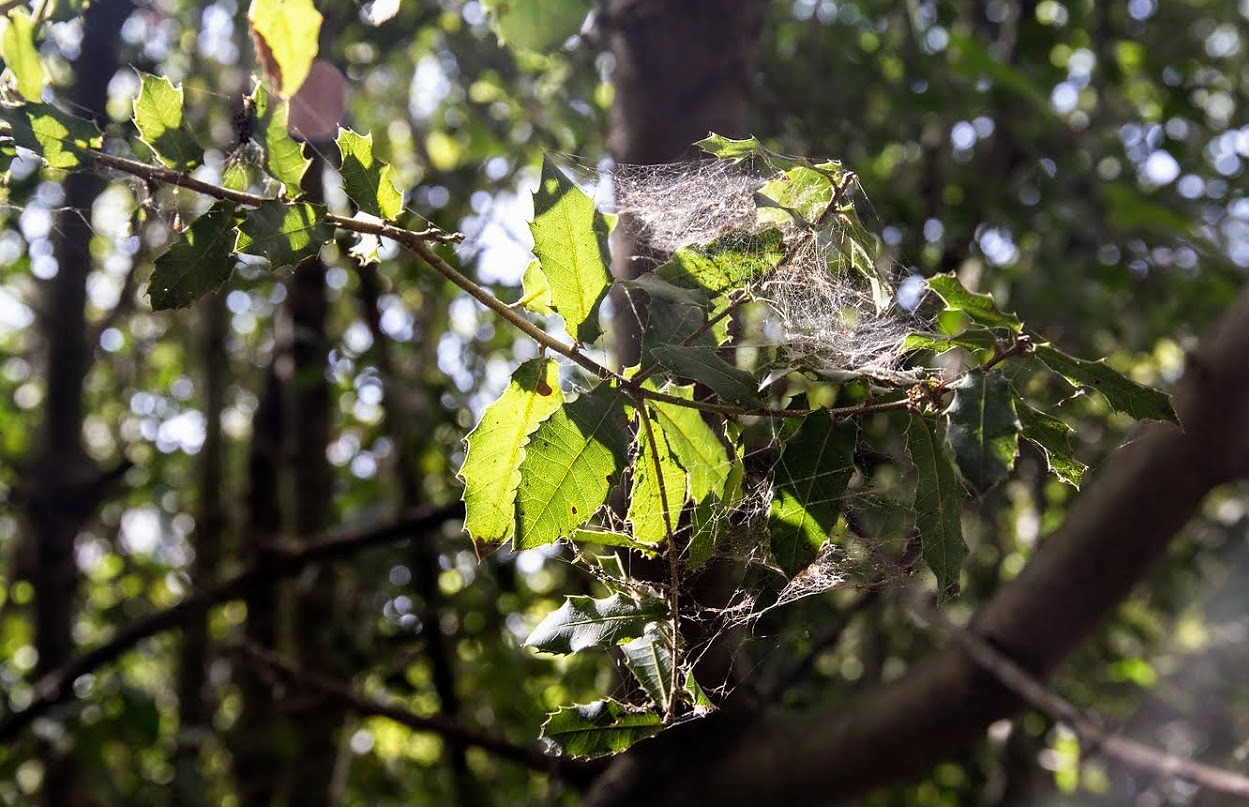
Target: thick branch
532,758
56,686
1114,532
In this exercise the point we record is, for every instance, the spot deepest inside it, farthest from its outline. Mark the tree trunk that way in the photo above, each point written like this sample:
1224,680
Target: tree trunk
62,486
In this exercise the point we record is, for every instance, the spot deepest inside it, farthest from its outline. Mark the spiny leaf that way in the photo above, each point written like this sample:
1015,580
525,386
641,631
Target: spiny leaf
284,232
57,136
1052,436
811,478
798,196
584,622
570,240
17,46
980,307
599,728
158,117
284,158
693,443
938,506
648,502
367,180
726,148
973,340
570,464
727,263
288,29
536,292
200,261
537,25
701,363
982,428
496,448
1122,393
649,658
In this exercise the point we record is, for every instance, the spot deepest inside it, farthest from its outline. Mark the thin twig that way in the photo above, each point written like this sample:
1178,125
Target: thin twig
1035,694
56,686
532,758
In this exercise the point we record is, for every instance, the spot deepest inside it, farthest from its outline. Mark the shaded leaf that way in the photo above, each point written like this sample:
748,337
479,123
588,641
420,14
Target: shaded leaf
367,181
284,232
973,340
703,364
1122,393
611,538
570,240
284,158
537,24
57,136
982,428
810,482
17,46
1052,437
980,307
496,448
158,117
200,261
288,34
571,462
584,622
649,658
938,506
599,728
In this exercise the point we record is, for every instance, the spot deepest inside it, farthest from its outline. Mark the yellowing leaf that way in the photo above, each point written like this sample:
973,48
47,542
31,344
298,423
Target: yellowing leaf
17,45
287,32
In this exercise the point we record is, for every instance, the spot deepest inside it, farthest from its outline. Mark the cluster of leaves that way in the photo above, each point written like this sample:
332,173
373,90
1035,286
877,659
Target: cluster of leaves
671,433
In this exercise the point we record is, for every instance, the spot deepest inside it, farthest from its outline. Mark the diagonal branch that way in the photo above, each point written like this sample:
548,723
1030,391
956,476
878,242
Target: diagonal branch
1036,695
57,685
565,768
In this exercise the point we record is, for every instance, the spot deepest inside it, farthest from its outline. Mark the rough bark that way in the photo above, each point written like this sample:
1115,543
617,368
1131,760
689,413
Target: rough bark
1119,526
61,486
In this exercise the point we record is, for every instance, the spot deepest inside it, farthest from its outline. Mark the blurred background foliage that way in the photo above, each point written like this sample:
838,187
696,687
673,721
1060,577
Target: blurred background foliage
1083,161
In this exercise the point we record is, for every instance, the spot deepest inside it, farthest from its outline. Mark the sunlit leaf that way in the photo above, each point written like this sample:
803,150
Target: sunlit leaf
938,505
57,136
496,448
982,428
570,240
798,196
158,117
284,158
599,728
584,622
200,260
1122,393
571,462
980,307
286,233
17,46
537,24
536,292
367,181
693,442
974,340
655,507
287,31
729,262
810,482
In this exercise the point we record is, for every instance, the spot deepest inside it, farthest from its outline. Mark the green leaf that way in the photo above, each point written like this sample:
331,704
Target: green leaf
973,340
570,464
729,262
726,148
284,232
570,240
938,506
1052,437
799,196
584,622
158,117
290,30
17,46
980,307
537,25
982,428
811,478
283,157
693,443
1122,393
647,502
649,658
709,518
58,137
701,363
611,538
536,292
672,323
367,181
200,261
599,728
496,448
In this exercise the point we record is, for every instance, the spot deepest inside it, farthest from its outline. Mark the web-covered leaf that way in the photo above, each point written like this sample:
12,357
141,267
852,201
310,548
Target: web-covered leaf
980,307
811,478
496,448
982,428
649,658
200,261
598,729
